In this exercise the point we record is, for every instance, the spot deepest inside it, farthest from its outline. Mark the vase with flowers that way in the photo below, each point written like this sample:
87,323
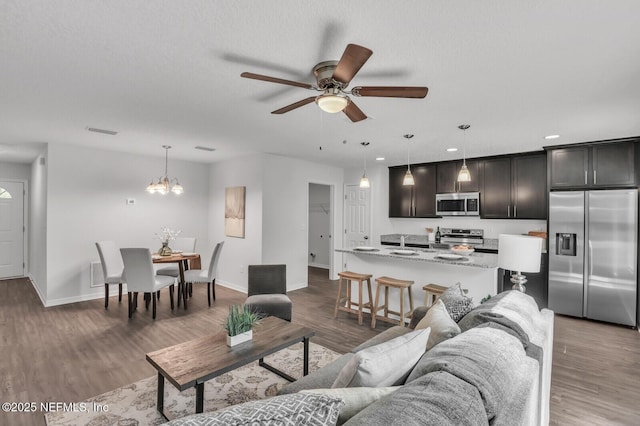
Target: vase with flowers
166,234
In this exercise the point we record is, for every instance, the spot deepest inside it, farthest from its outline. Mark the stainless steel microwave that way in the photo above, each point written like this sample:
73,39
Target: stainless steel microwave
458,204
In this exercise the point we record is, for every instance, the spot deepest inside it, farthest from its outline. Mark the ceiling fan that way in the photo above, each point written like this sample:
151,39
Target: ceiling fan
333,77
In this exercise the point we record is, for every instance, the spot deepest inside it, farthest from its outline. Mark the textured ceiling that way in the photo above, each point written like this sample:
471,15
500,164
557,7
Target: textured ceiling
168,72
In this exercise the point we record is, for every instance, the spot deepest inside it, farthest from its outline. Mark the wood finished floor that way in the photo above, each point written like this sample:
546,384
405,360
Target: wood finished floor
73,352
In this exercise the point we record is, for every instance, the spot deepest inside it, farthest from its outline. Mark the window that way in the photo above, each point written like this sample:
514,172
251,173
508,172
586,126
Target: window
4,193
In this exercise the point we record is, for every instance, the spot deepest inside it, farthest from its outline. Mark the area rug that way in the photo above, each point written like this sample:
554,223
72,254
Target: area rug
135,404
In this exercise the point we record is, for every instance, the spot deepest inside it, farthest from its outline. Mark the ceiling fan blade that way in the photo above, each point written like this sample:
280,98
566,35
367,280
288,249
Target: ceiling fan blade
390,91
275,80
354,113
352,60
294,105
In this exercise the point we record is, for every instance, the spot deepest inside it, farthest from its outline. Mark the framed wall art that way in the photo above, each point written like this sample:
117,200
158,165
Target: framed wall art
234,200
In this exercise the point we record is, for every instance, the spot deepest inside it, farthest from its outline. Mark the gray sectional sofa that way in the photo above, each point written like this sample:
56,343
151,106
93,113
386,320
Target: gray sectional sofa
491,368
497,371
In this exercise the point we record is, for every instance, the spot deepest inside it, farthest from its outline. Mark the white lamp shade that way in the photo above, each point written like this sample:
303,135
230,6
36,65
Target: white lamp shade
332,103
364,182
519,253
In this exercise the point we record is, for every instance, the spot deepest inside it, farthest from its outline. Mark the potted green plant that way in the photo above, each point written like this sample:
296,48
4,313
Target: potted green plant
239,324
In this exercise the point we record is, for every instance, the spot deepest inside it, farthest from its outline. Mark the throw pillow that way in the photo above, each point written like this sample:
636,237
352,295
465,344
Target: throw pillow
355,399
456,302
386,364
285,410
441,324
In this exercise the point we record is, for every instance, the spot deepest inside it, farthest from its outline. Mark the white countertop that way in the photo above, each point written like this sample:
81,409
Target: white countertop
475,260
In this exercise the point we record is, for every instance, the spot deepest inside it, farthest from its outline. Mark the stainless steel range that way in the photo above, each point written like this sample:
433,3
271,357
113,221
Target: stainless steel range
462,236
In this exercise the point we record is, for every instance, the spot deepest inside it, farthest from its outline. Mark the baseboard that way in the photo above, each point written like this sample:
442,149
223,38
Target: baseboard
319,265
37,289
297,286
86,297
235,287
231,286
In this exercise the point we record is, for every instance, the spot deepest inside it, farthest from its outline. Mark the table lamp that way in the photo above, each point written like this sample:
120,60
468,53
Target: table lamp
519,253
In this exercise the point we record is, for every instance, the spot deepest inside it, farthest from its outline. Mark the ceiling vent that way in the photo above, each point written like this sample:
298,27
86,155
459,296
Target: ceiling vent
106,132
205,148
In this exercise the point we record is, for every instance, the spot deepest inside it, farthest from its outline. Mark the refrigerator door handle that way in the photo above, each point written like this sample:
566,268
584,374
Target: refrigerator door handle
586,267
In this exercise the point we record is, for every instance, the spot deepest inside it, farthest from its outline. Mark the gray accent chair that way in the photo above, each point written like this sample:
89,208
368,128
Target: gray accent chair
268,291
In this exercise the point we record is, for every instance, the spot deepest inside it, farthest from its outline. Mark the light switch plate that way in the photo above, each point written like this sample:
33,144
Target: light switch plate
131,200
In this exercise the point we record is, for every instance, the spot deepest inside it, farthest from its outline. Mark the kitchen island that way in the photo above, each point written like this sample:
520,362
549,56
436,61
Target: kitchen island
477,272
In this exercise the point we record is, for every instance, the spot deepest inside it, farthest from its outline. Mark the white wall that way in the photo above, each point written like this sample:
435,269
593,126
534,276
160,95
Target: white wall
15,171
382,224
285,211
86,202
236,253
276,219
37,228
319,225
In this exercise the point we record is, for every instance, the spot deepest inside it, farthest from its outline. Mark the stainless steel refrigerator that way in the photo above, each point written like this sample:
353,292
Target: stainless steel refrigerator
593,259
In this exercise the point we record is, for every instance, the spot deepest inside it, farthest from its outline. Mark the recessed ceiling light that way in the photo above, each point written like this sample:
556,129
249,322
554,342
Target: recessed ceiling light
205,148
552,136
106,132
452,149
379,158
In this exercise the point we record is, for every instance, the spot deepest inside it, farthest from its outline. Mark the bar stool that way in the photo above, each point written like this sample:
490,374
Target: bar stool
349,276
432,292
387,283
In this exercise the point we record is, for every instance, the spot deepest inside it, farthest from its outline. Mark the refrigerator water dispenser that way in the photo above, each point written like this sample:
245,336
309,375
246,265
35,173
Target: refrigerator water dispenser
565,244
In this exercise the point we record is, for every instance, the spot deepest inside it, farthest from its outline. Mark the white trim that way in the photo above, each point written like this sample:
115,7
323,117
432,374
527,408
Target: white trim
35,287
231,286
319,265
297,286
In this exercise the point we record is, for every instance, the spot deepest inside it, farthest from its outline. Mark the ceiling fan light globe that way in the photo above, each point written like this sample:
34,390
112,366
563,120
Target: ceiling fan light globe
332,103
408,179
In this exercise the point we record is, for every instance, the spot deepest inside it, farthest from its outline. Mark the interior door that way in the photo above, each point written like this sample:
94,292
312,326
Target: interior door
11,229
357,216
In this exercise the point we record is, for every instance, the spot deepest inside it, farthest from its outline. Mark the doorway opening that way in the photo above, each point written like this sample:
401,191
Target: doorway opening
320,226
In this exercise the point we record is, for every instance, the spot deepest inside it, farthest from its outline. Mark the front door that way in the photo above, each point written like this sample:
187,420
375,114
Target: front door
357,216
11,229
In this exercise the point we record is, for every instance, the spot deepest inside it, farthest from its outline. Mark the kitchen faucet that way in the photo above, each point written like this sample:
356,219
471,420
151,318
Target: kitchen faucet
402,237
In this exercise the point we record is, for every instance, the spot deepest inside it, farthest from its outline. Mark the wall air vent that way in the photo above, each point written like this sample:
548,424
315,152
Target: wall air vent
106,132
205,148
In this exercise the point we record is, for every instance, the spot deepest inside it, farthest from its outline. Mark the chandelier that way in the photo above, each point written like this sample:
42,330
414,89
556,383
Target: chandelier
163,183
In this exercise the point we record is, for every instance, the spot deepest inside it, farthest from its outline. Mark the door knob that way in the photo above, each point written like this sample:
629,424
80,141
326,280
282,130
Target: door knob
366,237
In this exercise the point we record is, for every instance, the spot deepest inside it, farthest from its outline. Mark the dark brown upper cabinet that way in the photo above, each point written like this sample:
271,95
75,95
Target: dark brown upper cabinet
495,197
515,187
594,165
447,180
418,200
529,186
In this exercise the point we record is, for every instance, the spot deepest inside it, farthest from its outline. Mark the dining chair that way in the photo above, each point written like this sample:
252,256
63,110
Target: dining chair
140,278
268,291
183,244
112,268
206,275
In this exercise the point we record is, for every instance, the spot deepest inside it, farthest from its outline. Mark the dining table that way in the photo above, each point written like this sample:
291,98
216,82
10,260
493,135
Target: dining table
183,260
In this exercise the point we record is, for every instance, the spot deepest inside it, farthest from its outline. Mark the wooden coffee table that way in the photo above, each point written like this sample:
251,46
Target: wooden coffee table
192,363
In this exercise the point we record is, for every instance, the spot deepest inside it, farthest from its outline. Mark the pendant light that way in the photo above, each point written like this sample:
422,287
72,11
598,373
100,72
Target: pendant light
408,177
364,181
162,186
464,175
